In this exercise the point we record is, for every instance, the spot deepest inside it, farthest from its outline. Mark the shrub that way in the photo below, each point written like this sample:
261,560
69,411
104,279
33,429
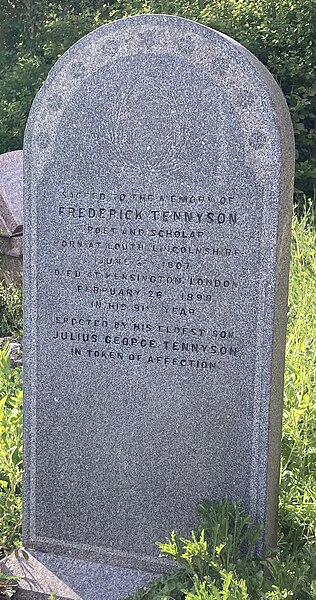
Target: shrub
218,562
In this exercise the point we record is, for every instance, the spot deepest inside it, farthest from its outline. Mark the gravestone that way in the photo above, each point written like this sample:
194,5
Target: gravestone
11,216
158,188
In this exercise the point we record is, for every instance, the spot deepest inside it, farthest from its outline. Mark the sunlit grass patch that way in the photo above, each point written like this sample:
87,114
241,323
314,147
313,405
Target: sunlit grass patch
298,476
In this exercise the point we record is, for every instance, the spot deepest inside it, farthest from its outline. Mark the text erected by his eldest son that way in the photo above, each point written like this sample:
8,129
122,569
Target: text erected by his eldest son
146,282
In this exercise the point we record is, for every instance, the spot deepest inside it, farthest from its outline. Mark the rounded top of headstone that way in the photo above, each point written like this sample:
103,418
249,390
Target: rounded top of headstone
11,196
136,42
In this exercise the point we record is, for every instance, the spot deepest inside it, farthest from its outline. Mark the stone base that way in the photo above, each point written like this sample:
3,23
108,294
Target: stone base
71,578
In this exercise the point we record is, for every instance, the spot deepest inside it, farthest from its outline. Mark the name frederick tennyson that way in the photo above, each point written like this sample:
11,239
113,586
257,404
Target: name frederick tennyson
140,215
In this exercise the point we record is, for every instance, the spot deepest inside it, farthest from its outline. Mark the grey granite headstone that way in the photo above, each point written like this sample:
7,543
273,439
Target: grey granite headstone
158,187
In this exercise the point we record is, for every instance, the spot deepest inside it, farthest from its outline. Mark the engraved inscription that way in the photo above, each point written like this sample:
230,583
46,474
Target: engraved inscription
140,254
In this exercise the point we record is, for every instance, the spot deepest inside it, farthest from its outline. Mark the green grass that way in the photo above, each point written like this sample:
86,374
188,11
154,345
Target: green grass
10,454
205,572
298,480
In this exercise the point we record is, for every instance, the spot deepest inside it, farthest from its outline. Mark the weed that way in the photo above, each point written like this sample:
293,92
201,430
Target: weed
298,476
11,319
218,562
10,453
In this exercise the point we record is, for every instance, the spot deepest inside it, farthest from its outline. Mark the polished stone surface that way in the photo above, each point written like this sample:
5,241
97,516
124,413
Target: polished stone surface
158,191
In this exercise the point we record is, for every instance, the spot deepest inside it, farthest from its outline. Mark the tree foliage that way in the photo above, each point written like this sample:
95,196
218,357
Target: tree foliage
281,33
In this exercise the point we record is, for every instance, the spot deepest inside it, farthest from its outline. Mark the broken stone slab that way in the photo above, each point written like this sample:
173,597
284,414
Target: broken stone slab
11,194
11,217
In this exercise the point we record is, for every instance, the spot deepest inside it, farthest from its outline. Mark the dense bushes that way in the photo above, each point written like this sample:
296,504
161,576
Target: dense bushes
33,34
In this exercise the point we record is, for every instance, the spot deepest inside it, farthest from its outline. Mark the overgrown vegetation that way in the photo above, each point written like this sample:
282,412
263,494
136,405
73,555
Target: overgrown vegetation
219,562
10,453
281,33
298,481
